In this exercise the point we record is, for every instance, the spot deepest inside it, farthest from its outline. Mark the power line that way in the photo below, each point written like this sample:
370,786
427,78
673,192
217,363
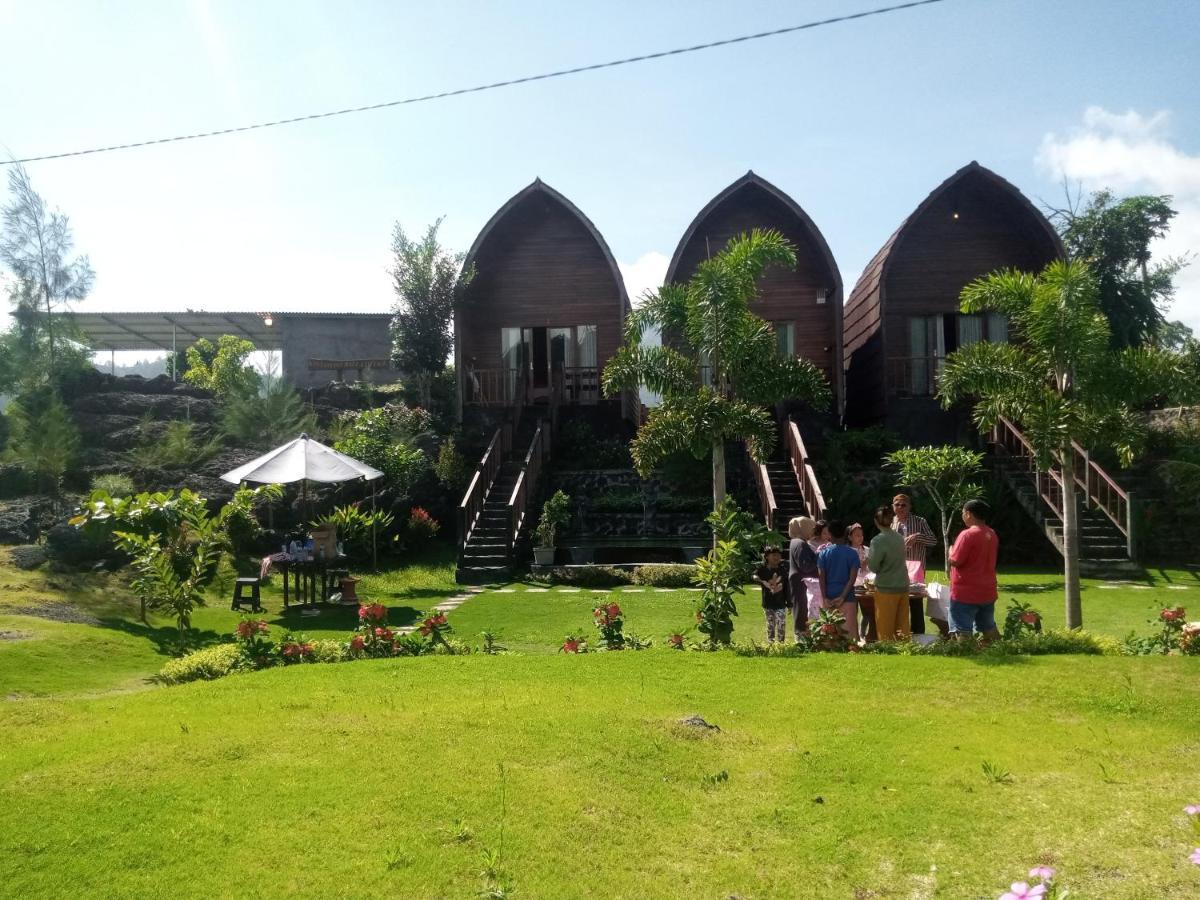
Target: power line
560,73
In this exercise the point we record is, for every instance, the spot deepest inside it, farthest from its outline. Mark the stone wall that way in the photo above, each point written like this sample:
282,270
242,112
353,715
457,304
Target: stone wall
585,485
333,336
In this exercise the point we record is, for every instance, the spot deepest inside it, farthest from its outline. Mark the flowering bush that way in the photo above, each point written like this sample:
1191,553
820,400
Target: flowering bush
295,649
675,641
436,628
826,632
257,652
373,637
1170,638
422,527
1020,619
610,621
1189,639
573,643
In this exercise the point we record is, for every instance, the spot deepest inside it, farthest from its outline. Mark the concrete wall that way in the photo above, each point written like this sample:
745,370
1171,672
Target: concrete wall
334,336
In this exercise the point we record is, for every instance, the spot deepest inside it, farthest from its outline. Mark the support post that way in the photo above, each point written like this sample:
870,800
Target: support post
1132,520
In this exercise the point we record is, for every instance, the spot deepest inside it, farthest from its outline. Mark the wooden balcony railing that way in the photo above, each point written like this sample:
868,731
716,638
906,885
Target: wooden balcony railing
802,466
580,385
473,500
913,376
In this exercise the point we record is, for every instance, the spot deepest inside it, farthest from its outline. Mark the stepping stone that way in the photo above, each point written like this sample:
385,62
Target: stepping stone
664,590
1109,587
633,590
537,590
504,590
1142,587
1177,587
563,590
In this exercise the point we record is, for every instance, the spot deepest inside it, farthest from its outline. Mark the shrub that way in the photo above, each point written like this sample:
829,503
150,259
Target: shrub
178,445
1021,619
619,500
452,469
42,439
610,621
114,484
355,527
579,447
221,368
747,535
330,651
825,632
1172,622
206,664
556,512
587,576
383,438
421,528
668,575
260,420
719,576
15,481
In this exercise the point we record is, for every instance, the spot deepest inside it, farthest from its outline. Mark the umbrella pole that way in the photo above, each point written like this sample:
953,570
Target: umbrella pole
374,544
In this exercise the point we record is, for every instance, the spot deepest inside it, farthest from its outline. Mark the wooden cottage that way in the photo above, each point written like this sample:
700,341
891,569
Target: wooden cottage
903,316
803,305
546,309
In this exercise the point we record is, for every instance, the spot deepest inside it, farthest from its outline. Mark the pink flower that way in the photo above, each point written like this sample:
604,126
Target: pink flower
1172,615
1192,809
1021,890
1195,856
357,642
1045,873
1030,618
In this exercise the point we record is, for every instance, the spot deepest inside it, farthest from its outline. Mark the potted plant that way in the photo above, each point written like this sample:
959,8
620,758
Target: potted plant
555,513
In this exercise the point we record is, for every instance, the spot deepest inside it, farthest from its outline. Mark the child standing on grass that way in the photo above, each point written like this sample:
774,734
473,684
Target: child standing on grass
837,568
772,577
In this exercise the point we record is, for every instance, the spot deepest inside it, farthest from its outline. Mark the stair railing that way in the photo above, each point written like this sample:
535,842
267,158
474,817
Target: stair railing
489,465
1102,492
806,477
526,486
766,494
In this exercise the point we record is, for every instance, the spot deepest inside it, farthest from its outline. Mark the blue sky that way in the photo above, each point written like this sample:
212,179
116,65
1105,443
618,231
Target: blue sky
857,121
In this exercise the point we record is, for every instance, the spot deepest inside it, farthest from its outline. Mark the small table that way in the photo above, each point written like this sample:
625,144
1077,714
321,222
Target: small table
306,573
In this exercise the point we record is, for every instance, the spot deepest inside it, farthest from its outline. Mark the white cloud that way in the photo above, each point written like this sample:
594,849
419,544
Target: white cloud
645,274
1132,153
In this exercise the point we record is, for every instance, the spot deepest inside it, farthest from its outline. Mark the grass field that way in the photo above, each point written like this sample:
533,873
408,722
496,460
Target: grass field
832,776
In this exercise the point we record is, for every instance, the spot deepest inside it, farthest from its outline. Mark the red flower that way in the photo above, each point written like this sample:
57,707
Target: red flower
386,634
675,640
262,626
570,645
357,642
614,611
829,629
378,632
1172,615
290,650
245,629
1030,618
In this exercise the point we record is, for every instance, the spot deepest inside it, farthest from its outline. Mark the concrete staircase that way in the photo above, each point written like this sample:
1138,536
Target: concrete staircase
1103,550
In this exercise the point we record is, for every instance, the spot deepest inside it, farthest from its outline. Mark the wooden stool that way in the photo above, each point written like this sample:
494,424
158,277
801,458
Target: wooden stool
255,585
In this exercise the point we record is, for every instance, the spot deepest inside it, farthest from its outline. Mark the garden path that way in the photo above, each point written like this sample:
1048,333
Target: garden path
446,606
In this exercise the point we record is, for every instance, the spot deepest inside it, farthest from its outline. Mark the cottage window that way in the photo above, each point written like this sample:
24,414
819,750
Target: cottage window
785,338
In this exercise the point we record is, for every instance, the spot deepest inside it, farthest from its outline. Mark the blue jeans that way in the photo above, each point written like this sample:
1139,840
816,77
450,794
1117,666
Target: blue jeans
968,617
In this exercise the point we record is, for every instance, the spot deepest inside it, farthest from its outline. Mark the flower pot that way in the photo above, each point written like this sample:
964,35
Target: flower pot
543,556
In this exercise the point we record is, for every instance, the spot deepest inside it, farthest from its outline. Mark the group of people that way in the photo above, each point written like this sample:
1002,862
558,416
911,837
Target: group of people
829,562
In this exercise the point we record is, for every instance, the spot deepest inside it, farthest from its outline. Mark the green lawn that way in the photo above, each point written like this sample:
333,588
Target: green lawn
846,777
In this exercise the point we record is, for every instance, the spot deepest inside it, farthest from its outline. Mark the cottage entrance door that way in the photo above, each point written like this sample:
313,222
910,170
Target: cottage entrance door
537,356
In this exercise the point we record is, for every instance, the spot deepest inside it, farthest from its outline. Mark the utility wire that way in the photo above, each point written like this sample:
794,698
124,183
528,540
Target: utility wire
560,73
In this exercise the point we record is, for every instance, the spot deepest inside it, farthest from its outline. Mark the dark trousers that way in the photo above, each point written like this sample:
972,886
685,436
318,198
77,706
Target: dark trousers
916,615
799,594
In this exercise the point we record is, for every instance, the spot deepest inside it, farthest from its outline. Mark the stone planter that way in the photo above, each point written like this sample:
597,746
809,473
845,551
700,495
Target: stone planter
543,556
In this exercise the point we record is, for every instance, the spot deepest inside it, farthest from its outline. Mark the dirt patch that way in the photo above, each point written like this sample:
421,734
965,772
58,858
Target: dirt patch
14,635
55,612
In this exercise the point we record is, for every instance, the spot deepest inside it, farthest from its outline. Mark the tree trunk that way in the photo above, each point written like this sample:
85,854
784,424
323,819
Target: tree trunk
718,470
1074,605
50,330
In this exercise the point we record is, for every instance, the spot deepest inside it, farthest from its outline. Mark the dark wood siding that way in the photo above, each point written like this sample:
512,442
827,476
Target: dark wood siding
540,265
923,267
785,295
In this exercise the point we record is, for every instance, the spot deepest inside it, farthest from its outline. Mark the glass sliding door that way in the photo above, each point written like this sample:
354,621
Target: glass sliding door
926,347
785,338
511,362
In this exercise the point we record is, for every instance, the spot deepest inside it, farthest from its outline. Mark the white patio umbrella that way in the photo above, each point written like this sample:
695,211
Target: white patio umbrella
305,460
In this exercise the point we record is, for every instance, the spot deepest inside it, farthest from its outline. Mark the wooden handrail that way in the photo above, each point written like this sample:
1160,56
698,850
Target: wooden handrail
766,496
806,476
1099,489
526,485
473,500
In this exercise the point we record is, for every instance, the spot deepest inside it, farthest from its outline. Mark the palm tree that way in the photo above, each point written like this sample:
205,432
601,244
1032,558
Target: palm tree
721,369
1061,381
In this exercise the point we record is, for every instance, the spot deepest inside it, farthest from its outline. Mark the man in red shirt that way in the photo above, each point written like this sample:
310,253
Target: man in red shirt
973,575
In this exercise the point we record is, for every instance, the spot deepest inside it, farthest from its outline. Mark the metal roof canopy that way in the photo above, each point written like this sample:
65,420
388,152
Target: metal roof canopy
168,330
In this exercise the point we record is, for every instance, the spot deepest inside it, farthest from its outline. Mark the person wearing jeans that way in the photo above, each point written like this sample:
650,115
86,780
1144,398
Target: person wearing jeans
886,558
973,575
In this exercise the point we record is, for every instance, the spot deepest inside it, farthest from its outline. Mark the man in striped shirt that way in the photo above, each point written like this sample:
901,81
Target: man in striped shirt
918,537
